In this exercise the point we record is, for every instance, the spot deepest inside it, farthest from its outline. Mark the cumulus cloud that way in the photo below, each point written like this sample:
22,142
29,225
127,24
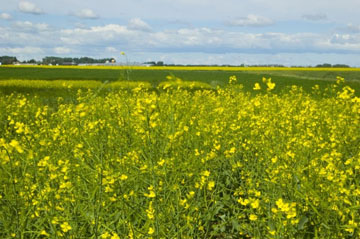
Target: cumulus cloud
138,24
95,35
314,17
346,39
5,16
29,26
62,50
86,14
29,7
251,21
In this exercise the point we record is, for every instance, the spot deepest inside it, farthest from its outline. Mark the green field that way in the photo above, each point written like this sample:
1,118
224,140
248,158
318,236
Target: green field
283,78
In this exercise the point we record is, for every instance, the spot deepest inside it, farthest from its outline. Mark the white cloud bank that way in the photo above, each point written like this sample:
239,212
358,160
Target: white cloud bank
29,7
210,40
139,39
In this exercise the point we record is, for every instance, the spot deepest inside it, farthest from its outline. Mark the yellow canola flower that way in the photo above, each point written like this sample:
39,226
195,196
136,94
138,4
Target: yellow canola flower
115,236
191,194
253,217
255,203
150,211
151,231
257,86
151,193
15,144
270,85
206,173
339,80
288,208
44,233
232,79
65,227
105,235
211,185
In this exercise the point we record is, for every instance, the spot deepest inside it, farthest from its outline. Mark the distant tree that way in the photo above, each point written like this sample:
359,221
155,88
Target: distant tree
8,60
160,63
69,60
340,66
327,65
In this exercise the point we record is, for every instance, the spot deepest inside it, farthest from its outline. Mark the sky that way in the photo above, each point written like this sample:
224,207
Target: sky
287,32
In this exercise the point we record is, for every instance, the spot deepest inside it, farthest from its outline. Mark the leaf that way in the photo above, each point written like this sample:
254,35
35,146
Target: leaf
235,225
302,222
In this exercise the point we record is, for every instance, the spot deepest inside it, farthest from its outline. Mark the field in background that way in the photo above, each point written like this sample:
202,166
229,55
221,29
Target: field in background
214,76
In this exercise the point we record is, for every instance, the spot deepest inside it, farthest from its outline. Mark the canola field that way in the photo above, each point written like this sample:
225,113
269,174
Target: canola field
181,160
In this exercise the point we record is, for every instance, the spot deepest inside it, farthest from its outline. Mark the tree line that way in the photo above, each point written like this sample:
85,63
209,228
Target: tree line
53,60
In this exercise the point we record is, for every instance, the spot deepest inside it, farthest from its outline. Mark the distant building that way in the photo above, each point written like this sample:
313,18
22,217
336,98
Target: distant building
0,63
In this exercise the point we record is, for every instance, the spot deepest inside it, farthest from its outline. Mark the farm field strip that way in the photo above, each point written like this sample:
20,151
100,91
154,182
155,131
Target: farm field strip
284,79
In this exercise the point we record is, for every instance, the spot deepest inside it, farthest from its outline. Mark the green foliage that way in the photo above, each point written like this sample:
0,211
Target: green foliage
7,60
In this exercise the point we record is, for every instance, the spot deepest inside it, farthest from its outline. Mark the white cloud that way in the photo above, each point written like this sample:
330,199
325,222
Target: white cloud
29,7
346,40
97,35
21,50
139,25
29,26
314,17
5,16
62,50
86,14
251,21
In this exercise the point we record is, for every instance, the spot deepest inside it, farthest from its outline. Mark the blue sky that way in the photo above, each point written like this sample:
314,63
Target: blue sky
183,31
